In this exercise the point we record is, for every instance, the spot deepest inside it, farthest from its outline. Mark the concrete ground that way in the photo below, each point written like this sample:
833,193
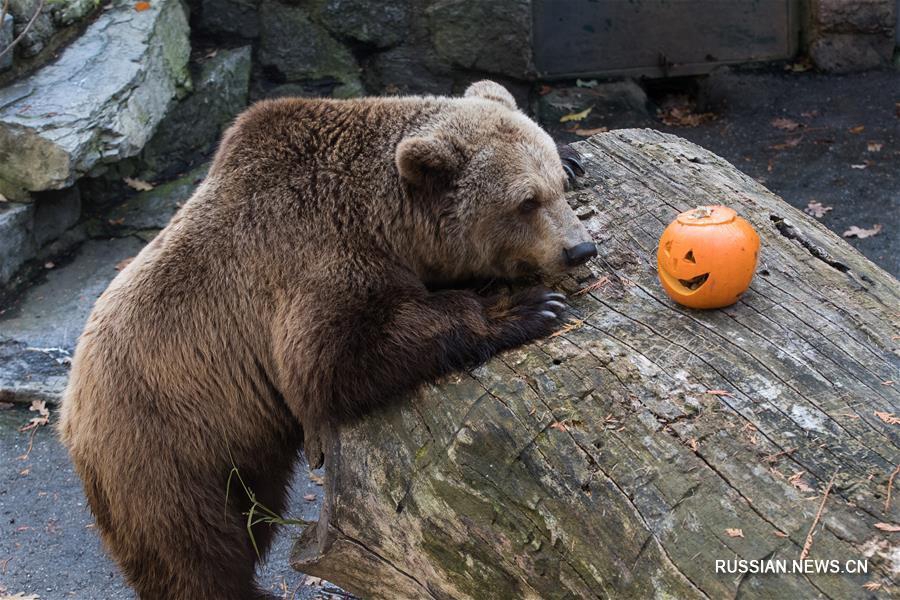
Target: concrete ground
48,546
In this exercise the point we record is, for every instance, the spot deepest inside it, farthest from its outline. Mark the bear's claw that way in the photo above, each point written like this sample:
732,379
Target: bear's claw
571,162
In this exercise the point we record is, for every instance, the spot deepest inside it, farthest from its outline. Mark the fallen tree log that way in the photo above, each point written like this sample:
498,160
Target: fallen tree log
626,455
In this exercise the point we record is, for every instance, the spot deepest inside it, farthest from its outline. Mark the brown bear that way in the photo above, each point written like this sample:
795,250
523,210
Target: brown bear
292,291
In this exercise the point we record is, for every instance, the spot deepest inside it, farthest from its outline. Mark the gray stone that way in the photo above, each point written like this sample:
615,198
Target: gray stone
52,313
99,102
153,209
6,38
16,239
193,126
300,49
55,15
381,24
409,70
38,333
854,16
229,17
41,30
54,212
846,52
486,36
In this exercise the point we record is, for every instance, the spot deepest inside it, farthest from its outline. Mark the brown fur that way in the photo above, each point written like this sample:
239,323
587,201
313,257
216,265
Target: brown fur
288,292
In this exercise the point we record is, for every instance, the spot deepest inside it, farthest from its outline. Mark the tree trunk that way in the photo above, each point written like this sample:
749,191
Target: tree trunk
625,455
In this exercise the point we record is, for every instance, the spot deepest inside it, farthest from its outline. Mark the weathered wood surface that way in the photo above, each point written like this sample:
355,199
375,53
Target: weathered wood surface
597,464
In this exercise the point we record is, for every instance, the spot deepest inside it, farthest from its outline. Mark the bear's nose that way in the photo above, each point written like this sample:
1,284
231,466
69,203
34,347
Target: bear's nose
580,254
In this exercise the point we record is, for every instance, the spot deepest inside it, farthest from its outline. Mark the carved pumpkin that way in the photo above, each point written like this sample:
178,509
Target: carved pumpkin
707,257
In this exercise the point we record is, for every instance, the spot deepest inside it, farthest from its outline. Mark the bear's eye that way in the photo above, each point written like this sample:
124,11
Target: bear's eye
530,205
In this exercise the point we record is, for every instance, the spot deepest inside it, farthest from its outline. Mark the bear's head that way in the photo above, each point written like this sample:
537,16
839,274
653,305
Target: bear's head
491,187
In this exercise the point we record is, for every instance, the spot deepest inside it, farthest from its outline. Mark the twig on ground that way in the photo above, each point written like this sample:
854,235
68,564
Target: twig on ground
887,501
18,39
807,545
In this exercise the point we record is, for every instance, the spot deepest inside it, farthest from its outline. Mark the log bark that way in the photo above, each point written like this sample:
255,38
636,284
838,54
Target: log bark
624,456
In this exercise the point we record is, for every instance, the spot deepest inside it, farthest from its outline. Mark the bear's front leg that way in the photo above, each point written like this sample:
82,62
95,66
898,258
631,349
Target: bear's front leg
341,355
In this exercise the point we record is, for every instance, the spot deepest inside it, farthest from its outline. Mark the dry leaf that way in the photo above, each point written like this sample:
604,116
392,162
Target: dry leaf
874,146
559,425
579,116
141,6
3,198
138,184
124,263
872,586
316,478
887,527
719,392
888,418
40,407
809,114
735,533
780,534
683,116
857,129
20,596
799,483
790,143
785,124
816,209
116,222
855,231
310,497
590,132
859,166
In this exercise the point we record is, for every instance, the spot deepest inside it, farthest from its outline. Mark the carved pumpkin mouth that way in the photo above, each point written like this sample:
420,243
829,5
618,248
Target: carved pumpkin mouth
694,283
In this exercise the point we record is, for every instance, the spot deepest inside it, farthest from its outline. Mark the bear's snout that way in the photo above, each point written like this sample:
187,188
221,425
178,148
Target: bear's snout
580,253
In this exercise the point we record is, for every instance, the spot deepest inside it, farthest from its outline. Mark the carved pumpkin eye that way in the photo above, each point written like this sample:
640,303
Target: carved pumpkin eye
529,206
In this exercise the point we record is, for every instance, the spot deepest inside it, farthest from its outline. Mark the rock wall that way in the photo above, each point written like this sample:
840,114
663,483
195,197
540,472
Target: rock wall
851,35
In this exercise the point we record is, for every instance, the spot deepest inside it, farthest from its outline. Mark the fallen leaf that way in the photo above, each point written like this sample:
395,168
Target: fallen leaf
49,264
24,472
857,129
888,418
20,596
874,146
780,534
684,116
887,527
212,53
798,67
40,407
590,132
887,382
138,184
116,222
785,124
816,209
124,263
316,478
719,392
559,426
586,83
872,586
579,116
3,198
141,6
309,497
790,143
735,532
855,231
859,166
796,481
809,114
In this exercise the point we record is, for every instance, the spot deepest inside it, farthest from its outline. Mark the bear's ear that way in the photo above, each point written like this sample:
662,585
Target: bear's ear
490,90
420,158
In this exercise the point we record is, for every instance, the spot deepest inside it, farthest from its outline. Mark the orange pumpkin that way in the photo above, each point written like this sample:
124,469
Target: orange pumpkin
707,257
